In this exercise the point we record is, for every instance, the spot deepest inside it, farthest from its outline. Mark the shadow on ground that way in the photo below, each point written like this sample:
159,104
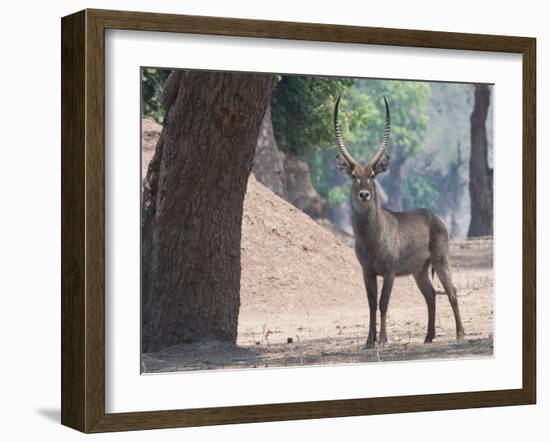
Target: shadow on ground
217,355
51,414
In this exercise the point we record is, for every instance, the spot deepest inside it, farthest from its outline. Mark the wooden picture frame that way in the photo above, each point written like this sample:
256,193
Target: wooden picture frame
83,220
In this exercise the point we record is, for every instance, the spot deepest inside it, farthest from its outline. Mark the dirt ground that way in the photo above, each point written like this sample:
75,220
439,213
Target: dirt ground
330,329
303,301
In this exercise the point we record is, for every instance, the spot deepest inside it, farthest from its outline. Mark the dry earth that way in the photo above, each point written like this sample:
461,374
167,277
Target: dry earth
303,299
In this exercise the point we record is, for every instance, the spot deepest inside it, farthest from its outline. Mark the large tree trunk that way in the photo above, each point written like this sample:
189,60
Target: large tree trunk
481,175
192,206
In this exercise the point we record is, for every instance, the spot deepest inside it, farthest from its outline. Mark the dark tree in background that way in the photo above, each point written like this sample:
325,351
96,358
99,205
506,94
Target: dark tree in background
481,175
301,111
395,180
192,206
268,165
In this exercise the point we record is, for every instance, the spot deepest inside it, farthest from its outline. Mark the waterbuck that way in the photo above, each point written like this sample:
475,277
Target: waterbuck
391,244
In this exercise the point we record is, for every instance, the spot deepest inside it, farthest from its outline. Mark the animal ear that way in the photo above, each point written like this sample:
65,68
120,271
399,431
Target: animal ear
343,165
382,165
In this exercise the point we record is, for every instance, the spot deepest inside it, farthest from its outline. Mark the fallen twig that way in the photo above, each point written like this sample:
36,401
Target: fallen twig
443,292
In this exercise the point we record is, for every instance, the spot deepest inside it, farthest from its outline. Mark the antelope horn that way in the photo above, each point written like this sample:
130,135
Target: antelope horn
380,152
339,142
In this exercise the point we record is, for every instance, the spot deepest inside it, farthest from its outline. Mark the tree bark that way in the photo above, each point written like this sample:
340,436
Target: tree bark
481,175
192,206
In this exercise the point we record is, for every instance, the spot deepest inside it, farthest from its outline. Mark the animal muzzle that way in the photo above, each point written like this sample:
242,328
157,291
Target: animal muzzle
364,195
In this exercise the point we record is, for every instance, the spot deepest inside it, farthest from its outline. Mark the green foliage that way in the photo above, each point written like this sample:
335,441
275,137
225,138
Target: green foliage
325,177
301,109
337,195
408,102
152,85
421,190
362,116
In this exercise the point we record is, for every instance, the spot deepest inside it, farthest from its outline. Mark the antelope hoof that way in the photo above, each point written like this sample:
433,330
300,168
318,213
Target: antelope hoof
382,340
459,336
428,340
370,343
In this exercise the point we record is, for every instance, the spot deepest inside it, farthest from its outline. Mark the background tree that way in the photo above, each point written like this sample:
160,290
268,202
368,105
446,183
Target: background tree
268,165
448,149
299,124
192,206
301,110
481,175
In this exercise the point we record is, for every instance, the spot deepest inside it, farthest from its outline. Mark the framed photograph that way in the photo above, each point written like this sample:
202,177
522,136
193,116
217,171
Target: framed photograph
269,221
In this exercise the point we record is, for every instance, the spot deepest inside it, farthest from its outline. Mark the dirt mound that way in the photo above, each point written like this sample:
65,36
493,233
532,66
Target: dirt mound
287,258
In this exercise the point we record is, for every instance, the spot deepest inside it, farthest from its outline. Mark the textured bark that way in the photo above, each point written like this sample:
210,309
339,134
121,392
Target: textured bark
481,175
268,164
192,206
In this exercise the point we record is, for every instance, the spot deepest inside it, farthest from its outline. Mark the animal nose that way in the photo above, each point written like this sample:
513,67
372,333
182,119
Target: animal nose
364,194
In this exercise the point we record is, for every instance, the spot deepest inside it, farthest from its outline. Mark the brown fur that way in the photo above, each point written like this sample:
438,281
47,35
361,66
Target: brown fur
391,244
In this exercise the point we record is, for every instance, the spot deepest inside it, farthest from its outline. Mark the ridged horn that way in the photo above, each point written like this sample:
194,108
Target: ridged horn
339,142
380,152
